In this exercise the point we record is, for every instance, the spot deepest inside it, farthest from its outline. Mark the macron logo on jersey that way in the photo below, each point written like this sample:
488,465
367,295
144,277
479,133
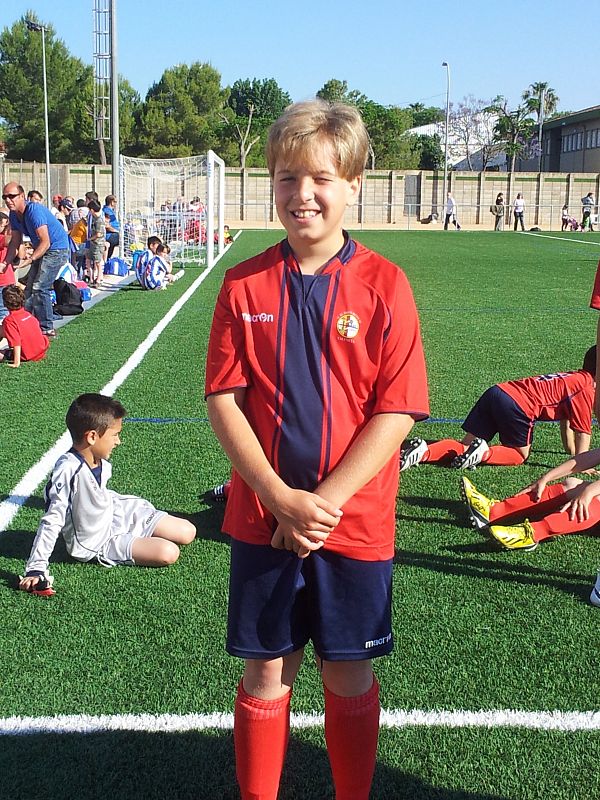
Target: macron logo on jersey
263,317
378,642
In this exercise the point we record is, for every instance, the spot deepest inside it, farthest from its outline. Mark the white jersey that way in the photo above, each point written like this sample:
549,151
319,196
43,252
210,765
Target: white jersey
141,266
83,510
156,273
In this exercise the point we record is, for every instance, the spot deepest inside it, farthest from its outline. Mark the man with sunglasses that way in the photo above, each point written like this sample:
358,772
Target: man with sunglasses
50,251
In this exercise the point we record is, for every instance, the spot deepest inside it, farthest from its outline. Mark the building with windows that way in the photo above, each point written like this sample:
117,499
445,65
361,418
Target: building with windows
571,143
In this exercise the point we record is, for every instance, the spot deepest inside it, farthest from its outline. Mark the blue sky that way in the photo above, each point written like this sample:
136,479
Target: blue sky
390,50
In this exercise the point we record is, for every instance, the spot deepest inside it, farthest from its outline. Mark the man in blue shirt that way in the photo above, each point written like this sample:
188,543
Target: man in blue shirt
50,251
112,223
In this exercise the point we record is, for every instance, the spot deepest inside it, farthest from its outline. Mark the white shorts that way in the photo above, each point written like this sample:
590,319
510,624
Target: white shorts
133,518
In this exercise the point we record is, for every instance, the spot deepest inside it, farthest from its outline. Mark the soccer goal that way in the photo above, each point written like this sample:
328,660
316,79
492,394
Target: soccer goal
180,200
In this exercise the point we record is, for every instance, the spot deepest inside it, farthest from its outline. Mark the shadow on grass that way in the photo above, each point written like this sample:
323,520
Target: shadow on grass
183,766
488,569
456,508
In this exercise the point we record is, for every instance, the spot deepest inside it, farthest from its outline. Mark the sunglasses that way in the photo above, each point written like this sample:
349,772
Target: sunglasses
10,196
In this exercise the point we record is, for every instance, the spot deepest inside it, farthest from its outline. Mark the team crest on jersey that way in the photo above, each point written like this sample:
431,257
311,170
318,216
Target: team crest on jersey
348,325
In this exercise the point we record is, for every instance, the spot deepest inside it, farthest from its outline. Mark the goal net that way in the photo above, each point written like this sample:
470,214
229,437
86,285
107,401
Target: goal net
180,200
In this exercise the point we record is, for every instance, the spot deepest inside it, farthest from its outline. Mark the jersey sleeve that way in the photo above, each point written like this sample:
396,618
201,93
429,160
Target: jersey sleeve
227,367
53,520
595,301
402,382
580,416
11,331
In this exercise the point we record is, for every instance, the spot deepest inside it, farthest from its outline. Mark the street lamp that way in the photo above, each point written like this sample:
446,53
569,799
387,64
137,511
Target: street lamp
35,26
445,64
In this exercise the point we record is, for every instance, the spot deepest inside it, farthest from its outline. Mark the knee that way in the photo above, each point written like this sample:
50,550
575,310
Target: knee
168,553
187,531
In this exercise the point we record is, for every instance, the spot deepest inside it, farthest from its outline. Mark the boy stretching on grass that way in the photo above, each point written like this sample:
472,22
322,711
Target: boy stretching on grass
315,374
541,511
511,409
95,522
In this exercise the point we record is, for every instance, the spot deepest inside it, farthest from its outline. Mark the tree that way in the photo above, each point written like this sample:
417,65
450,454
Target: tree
22,96
532,97
336,91
389,148
429,151
513,130
472,128
251,107
425,115
181,113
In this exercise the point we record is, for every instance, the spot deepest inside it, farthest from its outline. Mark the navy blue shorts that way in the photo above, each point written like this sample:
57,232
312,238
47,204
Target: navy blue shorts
278,602
497,413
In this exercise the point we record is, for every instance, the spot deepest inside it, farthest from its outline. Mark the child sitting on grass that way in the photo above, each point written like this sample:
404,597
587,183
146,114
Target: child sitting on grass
95,522
511,410
22,331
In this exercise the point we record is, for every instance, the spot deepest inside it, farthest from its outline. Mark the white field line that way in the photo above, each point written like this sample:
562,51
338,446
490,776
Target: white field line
180,723
36,474
561,238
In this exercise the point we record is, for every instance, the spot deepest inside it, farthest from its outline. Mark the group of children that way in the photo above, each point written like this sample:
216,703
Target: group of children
315,376
153,268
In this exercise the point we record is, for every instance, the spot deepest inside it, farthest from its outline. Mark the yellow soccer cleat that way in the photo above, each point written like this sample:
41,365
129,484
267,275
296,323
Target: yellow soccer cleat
514,537
479,505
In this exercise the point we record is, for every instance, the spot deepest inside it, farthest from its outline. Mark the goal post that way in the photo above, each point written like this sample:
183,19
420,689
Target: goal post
180,200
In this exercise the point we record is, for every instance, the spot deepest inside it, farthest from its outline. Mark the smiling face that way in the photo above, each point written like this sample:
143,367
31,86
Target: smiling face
311,199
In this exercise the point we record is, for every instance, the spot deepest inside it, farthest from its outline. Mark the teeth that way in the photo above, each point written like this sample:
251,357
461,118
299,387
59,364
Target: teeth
304,214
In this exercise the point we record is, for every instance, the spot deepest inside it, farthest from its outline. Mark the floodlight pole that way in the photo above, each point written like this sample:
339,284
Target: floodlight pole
114,98
541,127
34,26
445,64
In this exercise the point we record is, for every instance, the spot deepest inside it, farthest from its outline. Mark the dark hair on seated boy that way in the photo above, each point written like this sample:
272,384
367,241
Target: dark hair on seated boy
94,205
92,412
13,297
153,241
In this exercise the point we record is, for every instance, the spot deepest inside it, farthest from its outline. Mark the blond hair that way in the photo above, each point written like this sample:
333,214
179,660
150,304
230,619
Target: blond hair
292,137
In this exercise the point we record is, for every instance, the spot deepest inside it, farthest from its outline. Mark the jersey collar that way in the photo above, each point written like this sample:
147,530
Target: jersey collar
343,255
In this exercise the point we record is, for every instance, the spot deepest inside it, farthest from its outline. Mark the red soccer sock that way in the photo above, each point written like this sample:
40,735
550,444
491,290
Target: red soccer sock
444,450
260,735
522,506
501,456
559,524
351,733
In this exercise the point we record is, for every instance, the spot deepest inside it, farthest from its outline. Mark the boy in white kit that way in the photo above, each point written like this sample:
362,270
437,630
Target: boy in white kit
95,522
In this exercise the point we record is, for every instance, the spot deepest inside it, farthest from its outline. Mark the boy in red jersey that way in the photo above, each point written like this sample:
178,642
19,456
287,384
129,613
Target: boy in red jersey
511,409
22,331
315,375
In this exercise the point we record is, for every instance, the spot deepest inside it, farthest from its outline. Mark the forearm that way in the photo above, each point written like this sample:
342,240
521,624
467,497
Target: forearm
568,437
242,447
379,440
579,463
16,356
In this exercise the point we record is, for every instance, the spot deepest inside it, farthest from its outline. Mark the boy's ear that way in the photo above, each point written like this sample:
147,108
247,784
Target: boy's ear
353,190
91,437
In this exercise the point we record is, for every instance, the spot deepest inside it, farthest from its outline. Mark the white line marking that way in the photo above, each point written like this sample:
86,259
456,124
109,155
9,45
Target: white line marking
179,723
561,238
36,474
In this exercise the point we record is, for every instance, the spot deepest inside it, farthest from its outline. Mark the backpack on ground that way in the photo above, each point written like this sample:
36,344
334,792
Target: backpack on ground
68,299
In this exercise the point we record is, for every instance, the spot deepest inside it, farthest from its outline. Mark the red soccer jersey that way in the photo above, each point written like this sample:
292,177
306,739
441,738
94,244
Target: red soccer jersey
21,327
7,278
595,301
318,355
566,395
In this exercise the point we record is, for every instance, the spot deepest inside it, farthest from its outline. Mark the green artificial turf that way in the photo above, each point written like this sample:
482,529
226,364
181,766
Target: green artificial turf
475,628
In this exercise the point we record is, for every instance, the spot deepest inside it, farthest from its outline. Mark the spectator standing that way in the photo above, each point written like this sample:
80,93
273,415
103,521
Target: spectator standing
51,250
451,213
498,211
34,196
112,223
588,204
97,231
519,211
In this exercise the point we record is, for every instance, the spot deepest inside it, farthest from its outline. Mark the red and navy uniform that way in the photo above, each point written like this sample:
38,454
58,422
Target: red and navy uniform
318,356
558,396
20,327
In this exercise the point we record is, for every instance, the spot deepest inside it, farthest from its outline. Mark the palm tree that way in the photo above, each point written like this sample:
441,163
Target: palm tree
533,96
